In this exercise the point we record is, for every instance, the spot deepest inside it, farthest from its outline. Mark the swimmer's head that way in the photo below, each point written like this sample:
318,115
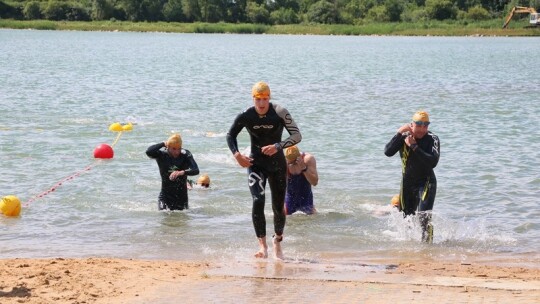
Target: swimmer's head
174,141
260,90
204,181
395,201
422,116
292,153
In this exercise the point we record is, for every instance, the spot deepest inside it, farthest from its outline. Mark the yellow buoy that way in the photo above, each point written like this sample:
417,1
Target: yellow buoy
127,127
10,205
116,127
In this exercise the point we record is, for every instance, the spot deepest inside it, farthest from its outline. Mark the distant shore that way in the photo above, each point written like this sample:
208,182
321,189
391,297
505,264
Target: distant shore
432,28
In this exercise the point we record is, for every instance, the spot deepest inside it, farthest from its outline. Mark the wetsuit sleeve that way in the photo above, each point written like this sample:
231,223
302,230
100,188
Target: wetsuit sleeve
193,168
431,158
294,132
153,150
235,129
393,146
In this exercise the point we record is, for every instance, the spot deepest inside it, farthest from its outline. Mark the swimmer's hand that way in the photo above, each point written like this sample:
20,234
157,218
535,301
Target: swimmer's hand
243,160
269,150
410,140
176,174
405,128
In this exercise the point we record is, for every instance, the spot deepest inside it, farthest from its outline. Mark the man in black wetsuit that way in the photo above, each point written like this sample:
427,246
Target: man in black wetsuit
175,164
419,150
265,123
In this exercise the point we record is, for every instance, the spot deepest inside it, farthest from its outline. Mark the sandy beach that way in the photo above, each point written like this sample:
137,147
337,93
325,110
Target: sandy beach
110,280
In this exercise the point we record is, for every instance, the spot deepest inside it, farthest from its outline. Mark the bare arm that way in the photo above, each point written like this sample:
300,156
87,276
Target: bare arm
311,173
306,165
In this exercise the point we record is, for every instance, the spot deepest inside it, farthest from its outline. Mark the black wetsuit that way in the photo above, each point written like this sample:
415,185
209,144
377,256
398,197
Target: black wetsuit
174,194
266,130
418,183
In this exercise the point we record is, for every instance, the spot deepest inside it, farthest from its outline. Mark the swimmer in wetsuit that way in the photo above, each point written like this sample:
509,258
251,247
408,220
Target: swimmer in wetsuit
302,168
265,123
175,165
419,150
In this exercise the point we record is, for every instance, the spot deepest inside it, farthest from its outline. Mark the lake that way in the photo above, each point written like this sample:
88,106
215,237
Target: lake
60,91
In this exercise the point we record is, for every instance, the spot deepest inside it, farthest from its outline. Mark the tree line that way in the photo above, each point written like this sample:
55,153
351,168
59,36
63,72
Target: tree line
354,12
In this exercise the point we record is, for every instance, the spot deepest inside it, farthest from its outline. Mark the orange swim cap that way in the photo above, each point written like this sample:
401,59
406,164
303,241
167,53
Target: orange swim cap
174,141
204,179
260,90
421,116
292,153
395,201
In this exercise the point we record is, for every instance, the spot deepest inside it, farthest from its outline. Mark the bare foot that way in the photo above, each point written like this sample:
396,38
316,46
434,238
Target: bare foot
263,250
278,252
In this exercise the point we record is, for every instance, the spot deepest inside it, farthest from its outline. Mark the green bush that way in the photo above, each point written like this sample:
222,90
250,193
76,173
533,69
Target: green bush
56,10
11,10
101,10
378,13
441,9
257,13
415,14
78,13
284,16
477,13
32,10
394,8
322,12
172,11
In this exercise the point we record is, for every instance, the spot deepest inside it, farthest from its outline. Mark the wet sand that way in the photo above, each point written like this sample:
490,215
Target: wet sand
110,280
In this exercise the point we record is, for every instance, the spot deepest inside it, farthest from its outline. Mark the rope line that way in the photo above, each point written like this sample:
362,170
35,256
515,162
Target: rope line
55,186
117,138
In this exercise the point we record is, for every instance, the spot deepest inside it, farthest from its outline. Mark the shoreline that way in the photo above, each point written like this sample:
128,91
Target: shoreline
114,280
403,29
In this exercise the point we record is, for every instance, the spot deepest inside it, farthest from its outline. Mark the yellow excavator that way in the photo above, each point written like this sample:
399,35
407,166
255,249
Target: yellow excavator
534,17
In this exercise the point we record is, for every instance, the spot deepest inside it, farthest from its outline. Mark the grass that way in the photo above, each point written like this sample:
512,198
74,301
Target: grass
428,28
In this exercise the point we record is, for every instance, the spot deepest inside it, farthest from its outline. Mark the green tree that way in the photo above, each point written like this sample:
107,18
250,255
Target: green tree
192,10
152,10
322,12
441,9
477,13
236,11
101,10
284,16
212,10
132,9
413,13
56,10
257,13
172,11
394,8
378,13
32,10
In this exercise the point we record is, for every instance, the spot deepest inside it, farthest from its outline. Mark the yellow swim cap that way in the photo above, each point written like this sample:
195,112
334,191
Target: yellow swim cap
10,205
175,141
395,201
204,179
292,153
261,90
421,116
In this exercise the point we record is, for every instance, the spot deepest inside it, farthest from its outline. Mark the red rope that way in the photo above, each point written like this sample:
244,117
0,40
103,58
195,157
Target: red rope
53,188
